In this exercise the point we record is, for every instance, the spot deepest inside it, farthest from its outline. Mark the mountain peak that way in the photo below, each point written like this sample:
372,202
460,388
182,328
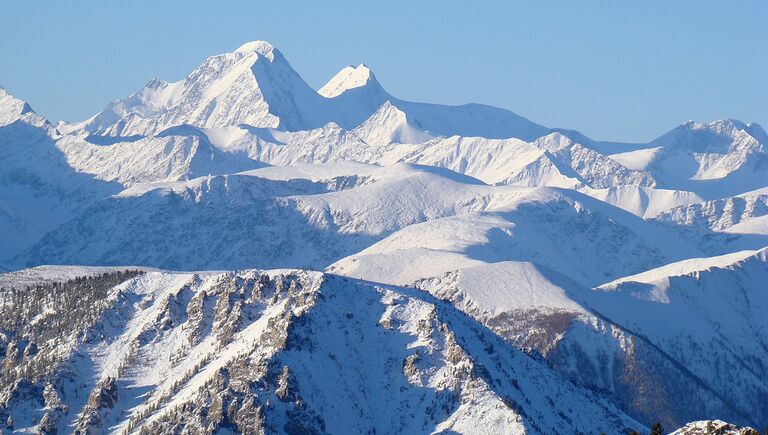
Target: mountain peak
350,77
13,109
389,124
721,125
263,48
716,136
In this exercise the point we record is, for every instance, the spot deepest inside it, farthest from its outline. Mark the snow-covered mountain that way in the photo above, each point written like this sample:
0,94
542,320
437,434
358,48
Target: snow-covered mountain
327,217
709,315
720,214
674,343
723,225
276,351
255,85
551,316
38,188
522,224
722,158
481,272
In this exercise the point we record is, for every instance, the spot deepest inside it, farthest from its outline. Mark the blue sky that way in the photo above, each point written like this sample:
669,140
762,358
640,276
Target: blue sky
615,70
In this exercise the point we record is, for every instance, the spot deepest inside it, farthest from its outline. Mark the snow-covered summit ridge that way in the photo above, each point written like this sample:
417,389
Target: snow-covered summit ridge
13,109
237,88
716,136
350,77
691,266
255,85
263,48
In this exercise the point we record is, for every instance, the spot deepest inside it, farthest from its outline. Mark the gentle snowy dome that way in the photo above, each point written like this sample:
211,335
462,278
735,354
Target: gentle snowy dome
263,48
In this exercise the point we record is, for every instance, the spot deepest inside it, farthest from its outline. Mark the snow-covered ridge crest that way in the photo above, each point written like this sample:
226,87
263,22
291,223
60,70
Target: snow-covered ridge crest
350,77
253,85
237,88
13,109
716,136
689,267
390,125
263,48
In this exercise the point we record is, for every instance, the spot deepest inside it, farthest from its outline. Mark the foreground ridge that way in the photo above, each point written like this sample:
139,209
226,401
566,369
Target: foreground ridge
283,350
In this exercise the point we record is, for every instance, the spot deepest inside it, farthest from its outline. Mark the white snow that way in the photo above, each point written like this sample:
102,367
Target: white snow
639,247
683,267
755,225
637,159
348,78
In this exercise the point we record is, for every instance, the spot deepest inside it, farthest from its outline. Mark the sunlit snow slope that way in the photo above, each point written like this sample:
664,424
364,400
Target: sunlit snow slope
480,272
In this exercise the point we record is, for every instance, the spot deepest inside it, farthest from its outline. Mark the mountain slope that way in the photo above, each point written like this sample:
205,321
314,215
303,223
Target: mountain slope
173,155
723,225
548,315
38,188
262,218
720,214
279,351
521,224
709,315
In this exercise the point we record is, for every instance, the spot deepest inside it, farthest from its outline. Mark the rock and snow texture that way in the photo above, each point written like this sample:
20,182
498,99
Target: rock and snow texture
718,159
706,427
278,351
656,340
636,271
709,315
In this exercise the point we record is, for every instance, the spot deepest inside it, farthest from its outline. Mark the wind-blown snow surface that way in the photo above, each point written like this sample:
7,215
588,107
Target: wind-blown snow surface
242,165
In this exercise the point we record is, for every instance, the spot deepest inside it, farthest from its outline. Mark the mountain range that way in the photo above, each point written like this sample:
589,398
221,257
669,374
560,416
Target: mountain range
237,252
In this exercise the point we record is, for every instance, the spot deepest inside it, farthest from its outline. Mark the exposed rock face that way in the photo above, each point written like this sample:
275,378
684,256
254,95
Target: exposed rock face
100,401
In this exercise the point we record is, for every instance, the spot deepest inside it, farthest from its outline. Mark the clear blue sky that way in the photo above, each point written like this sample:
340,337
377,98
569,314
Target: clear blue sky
616,70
